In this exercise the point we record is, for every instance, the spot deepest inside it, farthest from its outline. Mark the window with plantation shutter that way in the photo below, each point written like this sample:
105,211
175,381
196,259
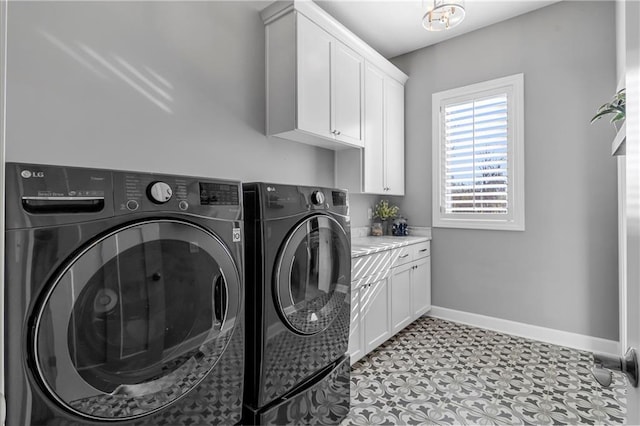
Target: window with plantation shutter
478,153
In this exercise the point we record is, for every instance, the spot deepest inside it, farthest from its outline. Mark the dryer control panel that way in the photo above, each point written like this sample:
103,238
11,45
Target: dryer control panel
280,200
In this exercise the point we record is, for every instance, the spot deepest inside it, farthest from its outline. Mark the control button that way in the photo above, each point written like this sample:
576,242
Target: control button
183,205
317,198
132,205
159,192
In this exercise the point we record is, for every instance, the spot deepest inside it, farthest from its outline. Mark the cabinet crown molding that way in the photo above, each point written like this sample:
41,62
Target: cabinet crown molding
317,15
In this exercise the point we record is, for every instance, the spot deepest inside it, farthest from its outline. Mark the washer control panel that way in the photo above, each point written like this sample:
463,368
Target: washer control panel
145,192
43,195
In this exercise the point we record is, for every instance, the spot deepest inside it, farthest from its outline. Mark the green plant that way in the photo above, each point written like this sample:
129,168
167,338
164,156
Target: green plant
617,107
385,211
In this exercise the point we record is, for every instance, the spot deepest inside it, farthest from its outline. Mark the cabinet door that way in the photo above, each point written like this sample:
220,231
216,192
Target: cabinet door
375,314
356,350
314,78
401,309
394,137
421,287
373,175
347,94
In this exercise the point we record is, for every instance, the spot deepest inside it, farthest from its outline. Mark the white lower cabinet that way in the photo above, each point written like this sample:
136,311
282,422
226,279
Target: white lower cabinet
374,299
390,290
401,310
421,287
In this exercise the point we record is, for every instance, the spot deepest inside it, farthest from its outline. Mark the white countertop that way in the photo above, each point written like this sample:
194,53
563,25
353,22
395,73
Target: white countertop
362,246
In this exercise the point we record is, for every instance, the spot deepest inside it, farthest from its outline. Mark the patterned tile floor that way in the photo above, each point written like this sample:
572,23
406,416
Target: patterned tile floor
440,372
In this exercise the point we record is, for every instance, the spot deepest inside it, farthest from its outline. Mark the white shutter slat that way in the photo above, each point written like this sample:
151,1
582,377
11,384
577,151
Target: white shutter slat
472,179
470,142
470,193
479,158
464,123
478,210
496,148
498,132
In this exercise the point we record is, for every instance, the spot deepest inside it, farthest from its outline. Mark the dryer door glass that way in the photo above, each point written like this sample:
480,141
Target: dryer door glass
137,319
313,274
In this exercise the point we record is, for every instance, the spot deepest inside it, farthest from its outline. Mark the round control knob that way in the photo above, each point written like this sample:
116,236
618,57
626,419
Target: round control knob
183,205
317,198
132,205
159,192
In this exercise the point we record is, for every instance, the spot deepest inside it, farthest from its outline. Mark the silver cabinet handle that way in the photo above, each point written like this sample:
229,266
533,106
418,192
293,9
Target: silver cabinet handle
404,255
423,250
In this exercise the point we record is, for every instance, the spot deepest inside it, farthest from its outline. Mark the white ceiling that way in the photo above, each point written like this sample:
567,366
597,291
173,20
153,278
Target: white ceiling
394,27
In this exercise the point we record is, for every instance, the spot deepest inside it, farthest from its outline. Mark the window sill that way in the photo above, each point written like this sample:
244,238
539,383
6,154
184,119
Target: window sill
488,225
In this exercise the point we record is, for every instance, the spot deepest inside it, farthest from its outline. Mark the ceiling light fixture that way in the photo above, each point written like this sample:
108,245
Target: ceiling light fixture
444,14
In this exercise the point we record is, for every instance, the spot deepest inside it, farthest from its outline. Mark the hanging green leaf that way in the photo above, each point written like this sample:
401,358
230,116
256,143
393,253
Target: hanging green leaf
617,107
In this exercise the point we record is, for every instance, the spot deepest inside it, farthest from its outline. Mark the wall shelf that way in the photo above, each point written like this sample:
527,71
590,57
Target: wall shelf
618,146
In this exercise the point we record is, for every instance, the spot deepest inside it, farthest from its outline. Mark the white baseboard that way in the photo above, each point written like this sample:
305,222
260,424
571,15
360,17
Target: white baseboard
543,334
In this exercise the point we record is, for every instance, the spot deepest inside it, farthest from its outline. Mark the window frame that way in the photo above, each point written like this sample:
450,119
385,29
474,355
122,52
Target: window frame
513,86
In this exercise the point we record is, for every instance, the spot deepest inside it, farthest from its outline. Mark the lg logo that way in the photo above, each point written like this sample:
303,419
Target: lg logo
28,174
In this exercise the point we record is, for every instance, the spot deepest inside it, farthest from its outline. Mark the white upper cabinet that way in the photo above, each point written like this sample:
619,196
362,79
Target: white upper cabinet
314,80
394,138
379,167
329,86
315,76
374,152
347,94
383,156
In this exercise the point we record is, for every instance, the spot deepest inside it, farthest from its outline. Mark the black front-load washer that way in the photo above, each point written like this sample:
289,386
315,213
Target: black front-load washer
124,298
298,274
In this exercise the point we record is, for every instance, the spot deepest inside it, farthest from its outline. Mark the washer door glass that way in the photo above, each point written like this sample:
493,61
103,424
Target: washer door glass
313,274
136,319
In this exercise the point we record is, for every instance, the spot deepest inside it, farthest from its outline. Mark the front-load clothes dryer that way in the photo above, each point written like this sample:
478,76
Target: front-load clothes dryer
298,274
124,298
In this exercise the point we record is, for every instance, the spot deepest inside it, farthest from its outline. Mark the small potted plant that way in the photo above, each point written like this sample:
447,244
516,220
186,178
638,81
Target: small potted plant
384,212
617,107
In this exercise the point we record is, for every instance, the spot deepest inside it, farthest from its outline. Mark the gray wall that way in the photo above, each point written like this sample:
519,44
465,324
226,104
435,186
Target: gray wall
73,100
358,205
562,271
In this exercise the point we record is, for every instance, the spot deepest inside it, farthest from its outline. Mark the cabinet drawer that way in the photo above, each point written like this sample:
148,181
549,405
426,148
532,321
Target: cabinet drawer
375,264
401,255
421,250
